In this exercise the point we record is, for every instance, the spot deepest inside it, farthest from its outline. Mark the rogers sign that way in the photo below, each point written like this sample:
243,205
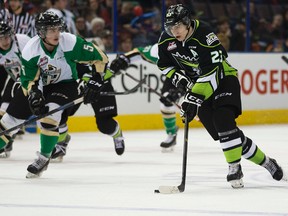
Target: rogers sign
264,81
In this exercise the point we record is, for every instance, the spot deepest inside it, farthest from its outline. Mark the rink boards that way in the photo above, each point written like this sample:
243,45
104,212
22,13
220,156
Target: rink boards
264,83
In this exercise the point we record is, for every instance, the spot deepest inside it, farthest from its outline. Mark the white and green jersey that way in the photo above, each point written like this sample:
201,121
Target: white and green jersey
59,65
10,59
148,53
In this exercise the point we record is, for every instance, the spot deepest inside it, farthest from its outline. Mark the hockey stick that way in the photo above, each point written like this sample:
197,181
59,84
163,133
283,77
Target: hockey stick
36,118
132,90
181,187
285,59
70,104
151,89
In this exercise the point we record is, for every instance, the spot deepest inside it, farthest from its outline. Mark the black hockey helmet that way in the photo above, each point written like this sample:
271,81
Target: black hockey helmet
176,14
46,20
5,28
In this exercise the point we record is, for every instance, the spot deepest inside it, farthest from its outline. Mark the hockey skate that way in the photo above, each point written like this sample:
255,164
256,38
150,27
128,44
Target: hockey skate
235,175
169,143
119,144
60,149
6,151
274,169
36,169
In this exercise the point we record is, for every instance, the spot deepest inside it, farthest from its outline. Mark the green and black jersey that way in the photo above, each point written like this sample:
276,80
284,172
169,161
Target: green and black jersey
201,57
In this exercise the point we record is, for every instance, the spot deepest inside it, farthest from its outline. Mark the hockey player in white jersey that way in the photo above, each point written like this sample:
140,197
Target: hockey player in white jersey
10,63
48,78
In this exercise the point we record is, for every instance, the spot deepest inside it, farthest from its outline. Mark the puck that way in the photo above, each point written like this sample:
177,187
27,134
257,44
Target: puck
156,191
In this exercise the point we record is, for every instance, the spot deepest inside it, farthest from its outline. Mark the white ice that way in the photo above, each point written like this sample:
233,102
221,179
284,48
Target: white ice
93,180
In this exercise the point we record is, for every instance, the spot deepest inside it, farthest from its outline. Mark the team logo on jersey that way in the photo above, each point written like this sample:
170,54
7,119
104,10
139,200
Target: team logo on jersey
50,75
43,61
185,58
194,53
211,38
13,68
171,46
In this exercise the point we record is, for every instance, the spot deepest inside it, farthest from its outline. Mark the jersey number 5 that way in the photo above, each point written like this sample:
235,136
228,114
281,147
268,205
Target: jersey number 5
88,47
216,56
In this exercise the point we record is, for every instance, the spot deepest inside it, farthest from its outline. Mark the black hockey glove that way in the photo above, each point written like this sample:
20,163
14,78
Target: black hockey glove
92,90
172,96
181,81
120,63
190,105
37,101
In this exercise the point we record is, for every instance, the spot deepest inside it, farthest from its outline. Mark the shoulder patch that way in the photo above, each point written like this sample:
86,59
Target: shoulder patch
171,45
211,37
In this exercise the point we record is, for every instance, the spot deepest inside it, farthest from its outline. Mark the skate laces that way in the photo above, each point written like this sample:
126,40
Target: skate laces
40,161
118,141
233,168
170,138
271,166
60,148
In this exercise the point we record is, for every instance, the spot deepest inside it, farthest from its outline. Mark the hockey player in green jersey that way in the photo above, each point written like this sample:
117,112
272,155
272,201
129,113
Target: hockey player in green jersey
48,78
105,109
170,94
191,55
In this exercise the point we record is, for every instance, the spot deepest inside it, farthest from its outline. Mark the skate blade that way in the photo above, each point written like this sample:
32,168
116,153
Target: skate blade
5,155
32,175
237,184
57,160
168,150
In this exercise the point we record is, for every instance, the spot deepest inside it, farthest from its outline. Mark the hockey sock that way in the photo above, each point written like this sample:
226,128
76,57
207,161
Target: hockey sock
170,125
169,118
252,152
2,143
231,145
4,139
48,143
63,132
117,132
62,137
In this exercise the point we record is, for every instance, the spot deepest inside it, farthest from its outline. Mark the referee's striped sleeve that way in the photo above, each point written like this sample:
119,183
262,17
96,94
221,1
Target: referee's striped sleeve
24,23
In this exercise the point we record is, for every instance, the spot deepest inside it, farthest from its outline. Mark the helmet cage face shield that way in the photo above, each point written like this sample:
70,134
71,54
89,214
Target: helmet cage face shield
48,21
175,16
169,28
5,29
42,32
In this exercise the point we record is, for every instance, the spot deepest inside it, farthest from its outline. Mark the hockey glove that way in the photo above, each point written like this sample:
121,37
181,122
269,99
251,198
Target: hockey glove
181,81
37,102
190,105
173,95
92,90
120,63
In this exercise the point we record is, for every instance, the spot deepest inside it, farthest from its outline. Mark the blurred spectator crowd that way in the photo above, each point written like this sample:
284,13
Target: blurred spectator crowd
139,22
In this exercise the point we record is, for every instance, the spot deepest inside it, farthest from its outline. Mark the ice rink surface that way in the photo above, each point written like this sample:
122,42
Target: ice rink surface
94,181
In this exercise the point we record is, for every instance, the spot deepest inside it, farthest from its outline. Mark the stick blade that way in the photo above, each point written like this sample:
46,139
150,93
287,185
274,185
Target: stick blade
169,189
